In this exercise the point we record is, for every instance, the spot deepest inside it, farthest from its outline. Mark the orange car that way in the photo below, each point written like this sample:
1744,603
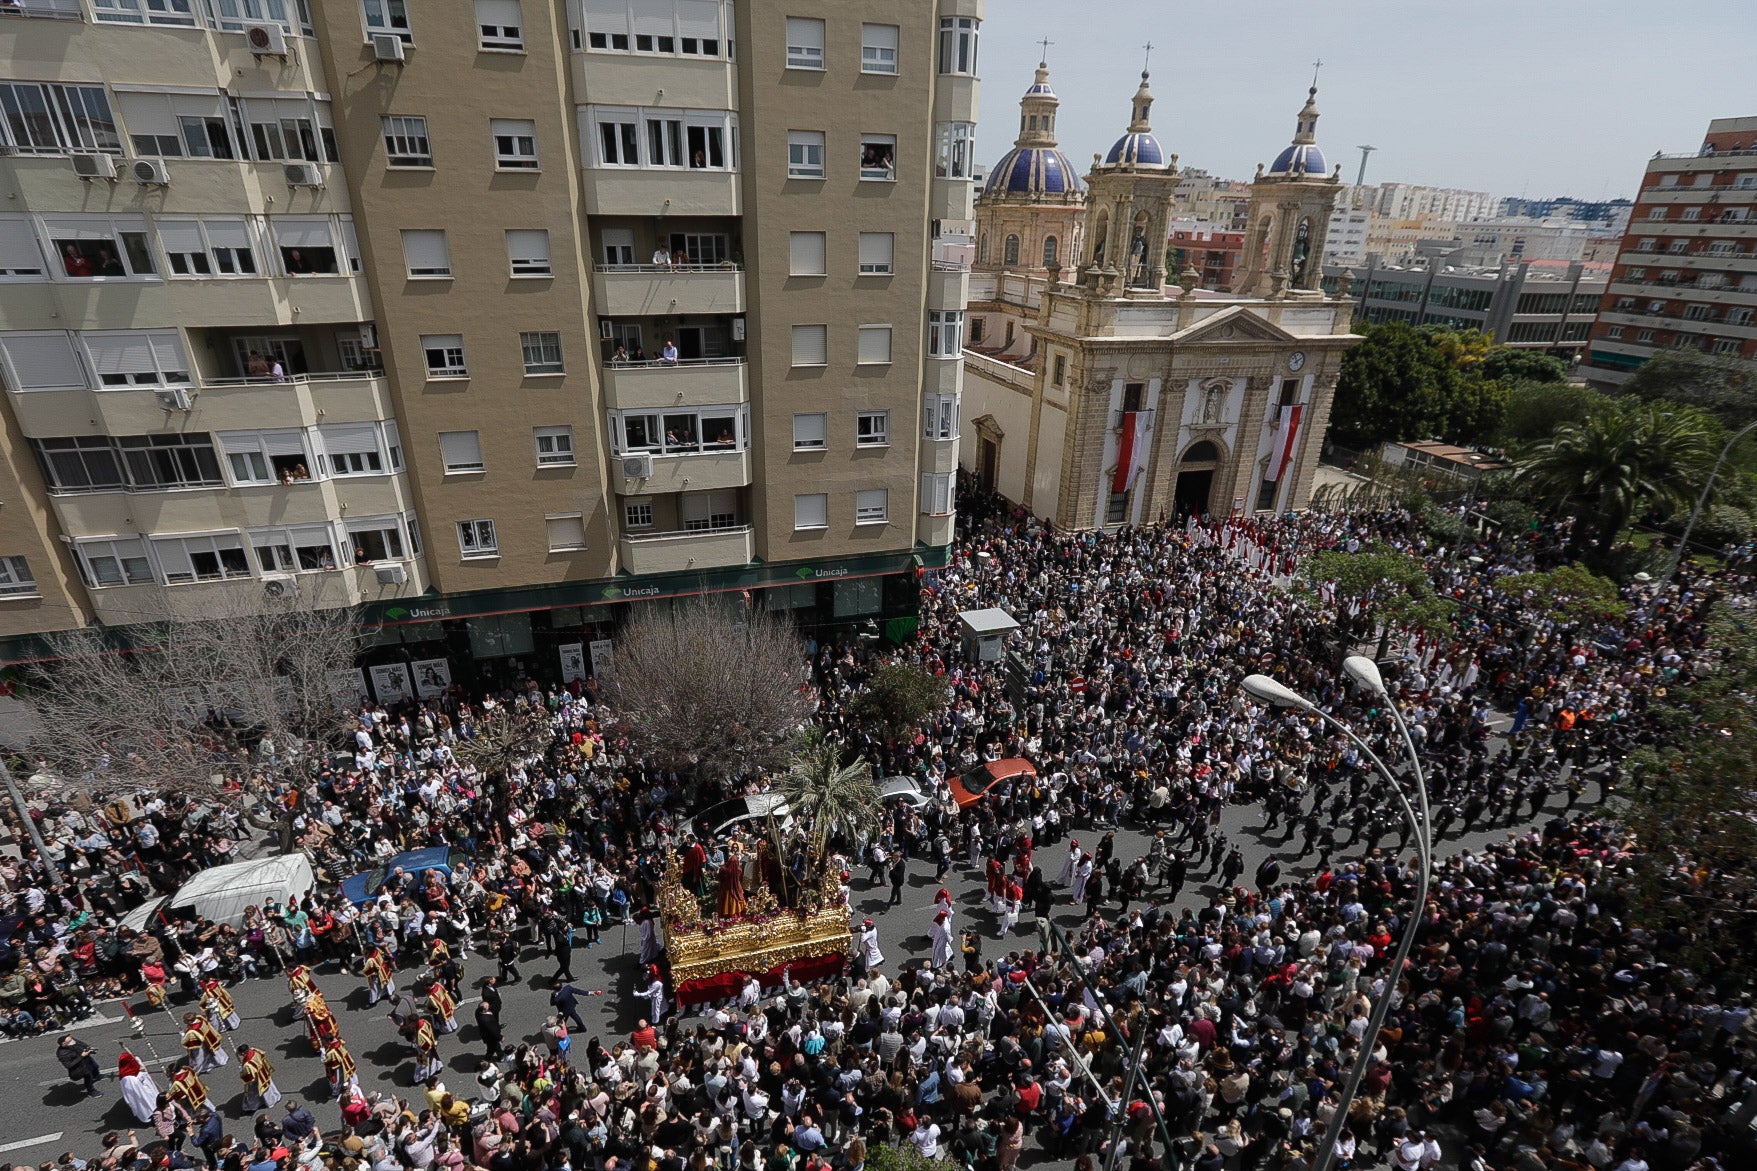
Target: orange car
968,789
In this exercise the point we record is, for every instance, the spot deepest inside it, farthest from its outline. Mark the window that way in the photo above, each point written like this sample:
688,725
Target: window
876,252
387,16
567,533
542,352
1738,316
958,44
705,511
1645,336
811,345
1696,312
637,514
405,141
805,43
42,361
266,457
1058,370
554,447
176,125
476,538
86,463
96,247
1679,246
15,578
445,355
379,538
202,557
619,143
1049,251
1614,332
705,249
515,143
136,357
870,506
1116,508
114,562
1646,245
1691,213
1010,253
499,24
41,119
174,12
230,15
1726,345
294,549
806,254
939,417
461,452
878,157
809,432
811,511
307,246
805,154
664,142
1656,213
687,431
872,428
936,493
705,136
875,346
288,129
19,254
945,333
352,449
954,150
977,325
426,254
527,251
878,48
204,248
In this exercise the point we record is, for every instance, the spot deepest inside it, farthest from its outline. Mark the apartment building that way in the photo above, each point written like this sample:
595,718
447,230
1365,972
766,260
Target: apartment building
491,317
1686,276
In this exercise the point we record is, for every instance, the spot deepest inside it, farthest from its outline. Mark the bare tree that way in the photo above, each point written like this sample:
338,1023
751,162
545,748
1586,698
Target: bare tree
506,737
249,691
708,689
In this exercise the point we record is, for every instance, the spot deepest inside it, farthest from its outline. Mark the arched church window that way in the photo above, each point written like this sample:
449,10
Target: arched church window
1011,255
1049,251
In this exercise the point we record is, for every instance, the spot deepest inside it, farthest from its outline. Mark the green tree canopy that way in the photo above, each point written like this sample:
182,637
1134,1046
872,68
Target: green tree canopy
1721,385
826,795
1508,364
1388,589
899,698
1570,593
1408,383
1535,409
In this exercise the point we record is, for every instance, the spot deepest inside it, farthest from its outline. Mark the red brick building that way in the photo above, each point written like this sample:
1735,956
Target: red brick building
1214,251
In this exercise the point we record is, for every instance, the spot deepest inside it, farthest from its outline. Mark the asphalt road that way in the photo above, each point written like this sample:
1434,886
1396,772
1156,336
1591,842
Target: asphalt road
42,1114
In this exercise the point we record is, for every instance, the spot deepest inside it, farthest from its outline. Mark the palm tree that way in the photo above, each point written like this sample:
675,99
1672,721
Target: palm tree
827,795
1618,464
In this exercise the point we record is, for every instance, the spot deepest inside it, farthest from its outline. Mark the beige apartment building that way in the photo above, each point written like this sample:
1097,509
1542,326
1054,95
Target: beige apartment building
489,317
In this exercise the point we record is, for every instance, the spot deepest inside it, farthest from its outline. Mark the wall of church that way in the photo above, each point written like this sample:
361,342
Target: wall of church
1032,225
995,391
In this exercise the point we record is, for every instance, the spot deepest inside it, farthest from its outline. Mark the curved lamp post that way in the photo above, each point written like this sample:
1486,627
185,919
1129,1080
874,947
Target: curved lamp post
1271,692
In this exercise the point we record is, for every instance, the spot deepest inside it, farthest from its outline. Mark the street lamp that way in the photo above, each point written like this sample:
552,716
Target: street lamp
1695,513
1269,691
1365,674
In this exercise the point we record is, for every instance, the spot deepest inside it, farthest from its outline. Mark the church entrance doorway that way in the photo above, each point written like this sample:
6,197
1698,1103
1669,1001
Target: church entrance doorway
987,462
1195,480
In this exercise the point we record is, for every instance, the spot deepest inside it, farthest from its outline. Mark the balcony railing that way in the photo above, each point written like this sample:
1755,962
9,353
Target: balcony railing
680,267
631,364
673,535
42,9
294,379
1709,154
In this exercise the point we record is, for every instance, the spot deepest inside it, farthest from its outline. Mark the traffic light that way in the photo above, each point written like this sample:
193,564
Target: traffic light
1018,678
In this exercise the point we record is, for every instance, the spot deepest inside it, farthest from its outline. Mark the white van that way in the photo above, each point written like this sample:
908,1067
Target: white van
221,893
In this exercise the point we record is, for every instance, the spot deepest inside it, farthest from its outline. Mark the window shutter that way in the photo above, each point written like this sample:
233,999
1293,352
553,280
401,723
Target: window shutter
698,18
876,249
425,251
301,233
607,16
808,430
502,13
461,450
695,509
349,438
147,113
875,343
805,33
18,247
227,233
811,511
653,20
811,345
807,254
288,443
530,244
566,532
879,36
42,361
180,236
120,353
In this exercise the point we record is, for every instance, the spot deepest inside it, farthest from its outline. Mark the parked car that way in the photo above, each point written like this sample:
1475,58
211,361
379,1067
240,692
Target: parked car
968,788
753,812
904,791
363,887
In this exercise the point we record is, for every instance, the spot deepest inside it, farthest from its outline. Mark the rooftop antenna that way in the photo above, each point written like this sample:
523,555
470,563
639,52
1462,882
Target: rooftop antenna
1361,177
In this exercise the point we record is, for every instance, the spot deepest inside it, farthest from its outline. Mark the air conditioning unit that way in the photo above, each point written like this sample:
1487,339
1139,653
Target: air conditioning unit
280,587
94,166
390,574
172,398
368,335
605,329
637,467
389,47
151,172
266,40
303,175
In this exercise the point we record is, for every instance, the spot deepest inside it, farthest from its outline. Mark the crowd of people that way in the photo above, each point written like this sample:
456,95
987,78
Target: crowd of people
1537,1026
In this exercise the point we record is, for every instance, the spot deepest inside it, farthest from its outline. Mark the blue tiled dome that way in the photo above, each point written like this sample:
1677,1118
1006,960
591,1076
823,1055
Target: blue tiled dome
1137,148
1299,159
1032,170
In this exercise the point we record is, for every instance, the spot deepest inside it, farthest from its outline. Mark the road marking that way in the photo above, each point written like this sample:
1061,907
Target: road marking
110,1071
31,1142
90,1022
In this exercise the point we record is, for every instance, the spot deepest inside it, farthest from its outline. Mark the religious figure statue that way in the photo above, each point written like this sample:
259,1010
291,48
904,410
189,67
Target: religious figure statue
1213,402
731,896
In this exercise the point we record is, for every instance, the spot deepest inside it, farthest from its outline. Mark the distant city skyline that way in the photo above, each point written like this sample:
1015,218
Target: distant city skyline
1569,97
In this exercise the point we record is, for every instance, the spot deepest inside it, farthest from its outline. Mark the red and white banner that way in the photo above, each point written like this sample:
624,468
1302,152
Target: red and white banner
1286,443
1131,450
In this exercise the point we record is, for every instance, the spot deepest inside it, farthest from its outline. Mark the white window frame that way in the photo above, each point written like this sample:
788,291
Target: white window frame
542,342
880,173
222,261
872,428
77,227
391,532
805,43
637,513
945,333
478,540
878,48
187,546
554,447
44,360
878,253
290,539
811,511
386,16
515,144
75,117
155,358
874,346
16,579
625,126
939,417
959,41
493,34
527,252
21,253
426,254
954,150
811,431
460,453
129,555
872,506
451,346
808,253
938,493
346,454
577,519
406,144
805,154
805,334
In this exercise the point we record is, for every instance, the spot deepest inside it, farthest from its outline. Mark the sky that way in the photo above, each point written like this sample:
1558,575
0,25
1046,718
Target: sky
1536,99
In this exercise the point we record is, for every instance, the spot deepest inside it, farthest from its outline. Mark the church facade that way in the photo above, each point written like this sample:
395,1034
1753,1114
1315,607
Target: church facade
1101,389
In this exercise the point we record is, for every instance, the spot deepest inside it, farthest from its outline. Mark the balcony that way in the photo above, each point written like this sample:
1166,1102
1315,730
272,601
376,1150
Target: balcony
632,191
684,552
657,290
216,404
334,590
691,473
700,382
948,285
